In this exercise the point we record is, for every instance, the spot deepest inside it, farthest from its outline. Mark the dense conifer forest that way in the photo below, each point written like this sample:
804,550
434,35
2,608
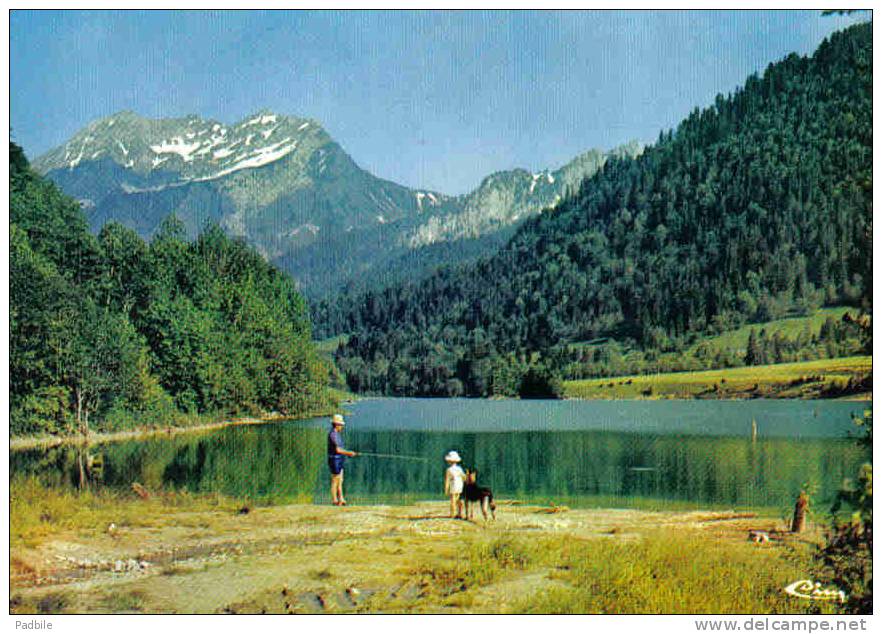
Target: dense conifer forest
752,209
109,332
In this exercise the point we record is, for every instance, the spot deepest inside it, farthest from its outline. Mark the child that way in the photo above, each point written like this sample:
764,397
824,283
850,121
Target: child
454,478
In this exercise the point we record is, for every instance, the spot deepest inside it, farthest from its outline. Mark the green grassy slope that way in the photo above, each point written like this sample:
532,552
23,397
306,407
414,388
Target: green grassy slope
806,379
789,328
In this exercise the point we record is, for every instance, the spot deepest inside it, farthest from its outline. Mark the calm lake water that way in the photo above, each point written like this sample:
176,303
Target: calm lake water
624,453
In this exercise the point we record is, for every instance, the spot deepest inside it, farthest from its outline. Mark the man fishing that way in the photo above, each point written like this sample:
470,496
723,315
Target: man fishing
336,457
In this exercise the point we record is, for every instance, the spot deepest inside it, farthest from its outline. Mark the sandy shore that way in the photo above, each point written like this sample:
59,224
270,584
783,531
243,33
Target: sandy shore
309,558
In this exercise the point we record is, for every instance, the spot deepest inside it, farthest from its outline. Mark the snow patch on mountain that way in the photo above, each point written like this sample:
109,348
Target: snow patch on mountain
432,199
536,177
262,119
178,146
323,161
190,148
131,189
257,158
308,227
79,157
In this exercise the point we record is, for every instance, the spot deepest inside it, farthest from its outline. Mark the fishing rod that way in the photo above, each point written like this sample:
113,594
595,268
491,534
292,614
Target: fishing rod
389,455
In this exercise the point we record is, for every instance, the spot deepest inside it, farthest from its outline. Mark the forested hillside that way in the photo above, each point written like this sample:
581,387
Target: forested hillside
754,208
111,332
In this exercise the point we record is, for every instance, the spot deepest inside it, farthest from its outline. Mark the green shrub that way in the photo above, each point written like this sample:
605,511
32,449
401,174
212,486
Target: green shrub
46,411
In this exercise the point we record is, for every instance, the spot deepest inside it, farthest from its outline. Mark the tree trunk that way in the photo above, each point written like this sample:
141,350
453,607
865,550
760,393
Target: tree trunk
79,396
82,415
83,480
799,513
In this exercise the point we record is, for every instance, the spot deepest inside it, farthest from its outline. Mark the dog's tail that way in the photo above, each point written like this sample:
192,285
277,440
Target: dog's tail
492,506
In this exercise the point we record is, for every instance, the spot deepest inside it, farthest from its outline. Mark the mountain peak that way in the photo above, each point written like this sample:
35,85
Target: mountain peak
191,147
124,115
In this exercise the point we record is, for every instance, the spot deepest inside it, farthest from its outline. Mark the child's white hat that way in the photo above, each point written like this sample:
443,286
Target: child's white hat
452,456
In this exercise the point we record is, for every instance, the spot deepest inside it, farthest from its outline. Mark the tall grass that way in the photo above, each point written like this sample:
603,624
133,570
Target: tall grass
669,573
666,572
37,512
488,560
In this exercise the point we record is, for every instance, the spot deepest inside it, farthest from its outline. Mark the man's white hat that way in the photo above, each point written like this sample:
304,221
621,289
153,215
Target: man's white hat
452,456
337,419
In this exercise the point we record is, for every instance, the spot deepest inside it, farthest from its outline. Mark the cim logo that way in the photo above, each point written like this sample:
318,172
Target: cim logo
812,590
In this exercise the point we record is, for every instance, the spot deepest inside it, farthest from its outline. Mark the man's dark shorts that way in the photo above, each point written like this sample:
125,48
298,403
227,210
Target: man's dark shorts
335,464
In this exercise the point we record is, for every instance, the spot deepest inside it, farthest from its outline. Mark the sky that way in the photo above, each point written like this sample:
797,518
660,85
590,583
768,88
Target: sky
435,100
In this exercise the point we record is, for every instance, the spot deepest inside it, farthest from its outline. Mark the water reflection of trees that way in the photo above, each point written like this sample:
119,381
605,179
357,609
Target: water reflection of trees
280,463
74,466
557,465
284,463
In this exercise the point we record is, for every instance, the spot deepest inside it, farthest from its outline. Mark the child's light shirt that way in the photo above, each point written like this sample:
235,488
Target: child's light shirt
454,479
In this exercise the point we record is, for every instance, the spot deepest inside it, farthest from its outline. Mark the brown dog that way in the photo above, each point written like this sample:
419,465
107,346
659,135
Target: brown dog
471,492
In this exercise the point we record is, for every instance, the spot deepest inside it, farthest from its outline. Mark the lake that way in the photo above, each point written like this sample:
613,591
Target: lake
663,454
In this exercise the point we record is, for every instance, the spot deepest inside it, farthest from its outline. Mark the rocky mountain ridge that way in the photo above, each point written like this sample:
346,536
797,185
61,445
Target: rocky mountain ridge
284,185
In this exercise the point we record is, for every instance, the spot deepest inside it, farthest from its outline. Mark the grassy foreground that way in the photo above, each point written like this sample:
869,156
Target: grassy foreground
806,379
174,553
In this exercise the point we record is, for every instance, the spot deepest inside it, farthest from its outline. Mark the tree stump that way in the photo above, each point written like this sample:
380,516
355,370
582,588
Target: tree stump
799,513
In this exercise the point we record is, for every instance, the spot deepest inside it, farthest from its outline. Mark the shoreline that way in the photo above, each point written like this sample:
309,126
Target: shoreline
18,443
21,443
47,442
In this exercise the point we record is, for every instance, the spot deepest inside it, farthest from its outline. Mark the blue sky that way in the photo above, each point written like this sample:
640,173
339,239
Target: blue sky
427,99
